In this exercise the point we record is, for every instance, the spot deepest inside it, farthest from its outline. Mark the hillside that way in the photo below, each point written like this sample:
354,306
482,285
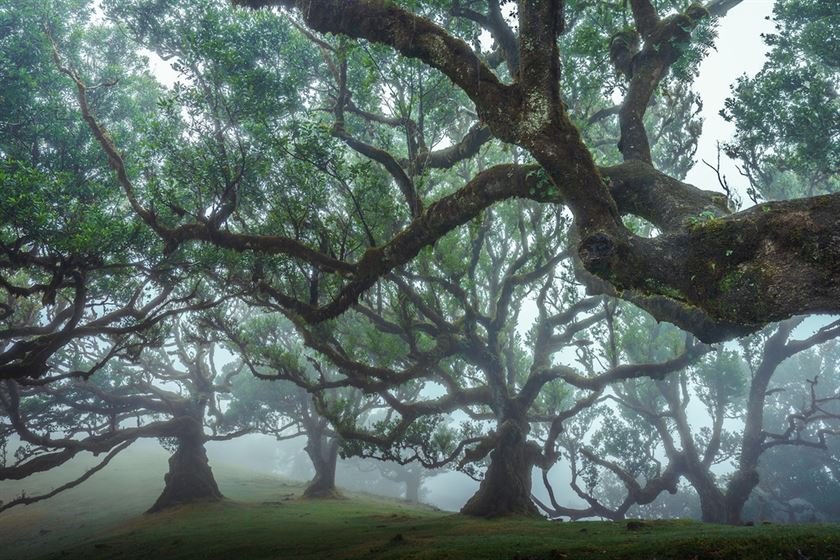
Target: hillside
264,518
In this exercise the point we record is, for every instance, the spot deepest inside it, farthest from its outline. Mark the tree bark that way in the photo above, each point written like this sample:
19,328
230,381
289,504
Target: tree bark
190,479
413,482
738,491
323,452
712,505
506,488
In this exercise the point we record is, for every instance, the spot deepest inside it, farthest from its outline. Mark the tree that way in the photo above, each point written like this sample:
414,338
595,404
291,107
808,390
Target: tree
443,337
613,459
301,166
409,478
454,323
700,273
292,394
807,425
75,263
786,116
752,251
172,393
286,410
799,472
727,390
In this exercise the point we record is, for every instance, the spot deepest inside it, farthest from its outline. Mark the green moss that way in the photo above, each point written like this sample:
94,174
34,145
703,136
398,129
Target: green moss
659,288
538,114
704,221
730,281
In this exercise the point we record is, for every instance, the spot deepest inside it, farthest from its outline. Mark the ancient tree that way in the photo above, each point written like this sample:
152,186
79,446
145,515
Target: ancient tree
710,271
735,389
75,263
175,393
704,268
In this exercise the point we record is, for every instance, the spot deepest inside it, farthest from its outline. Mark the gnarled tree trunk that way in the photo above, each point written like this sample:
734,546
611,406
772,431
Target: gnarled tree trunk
190,479
746,478
323,452
712,500
712,506
506,488
413,481
738,491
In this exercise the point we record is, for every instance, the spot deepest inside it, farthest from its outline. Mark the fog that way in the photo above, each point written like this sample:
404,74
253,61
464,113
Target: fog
261,267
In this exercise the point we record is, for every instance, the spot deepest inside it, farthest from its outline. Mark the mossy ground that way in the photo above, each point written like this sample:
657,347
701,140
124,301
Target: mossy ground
264,518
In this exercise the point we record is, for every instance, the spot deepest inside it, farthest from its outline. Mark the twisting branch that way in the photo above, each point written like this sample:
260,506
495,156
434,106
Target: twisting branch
631,371
664,41
25,500
814,414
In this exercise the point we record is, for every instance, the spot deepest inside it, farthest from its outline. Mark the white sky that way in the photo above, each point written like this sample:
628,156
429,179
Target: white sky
739,50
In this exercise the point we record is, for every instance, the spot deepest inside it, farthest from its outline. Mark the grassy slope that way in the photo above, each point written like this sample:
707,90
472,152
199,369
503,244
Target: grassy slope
101,521
369,529
121,492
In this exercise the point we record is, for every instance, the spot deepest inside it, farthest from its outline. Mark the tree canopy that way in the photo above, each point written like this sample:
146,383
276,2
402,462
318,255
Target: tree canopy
396,211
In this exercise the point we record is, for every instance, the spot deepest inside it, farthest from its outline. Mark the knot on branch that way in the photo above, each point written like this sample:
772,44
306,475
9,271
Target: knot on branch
745,479
372,263
480,451
597,251
674,33
512,432
624,45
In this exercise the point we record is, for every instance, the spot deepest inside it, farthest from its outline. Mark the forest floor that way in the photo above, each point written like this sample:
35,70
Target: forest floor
264,518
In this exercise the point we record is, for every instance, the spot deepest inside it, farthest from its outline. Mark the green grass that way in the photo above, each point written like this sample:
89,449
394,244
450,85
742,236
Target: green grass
264,519
373,529
121,492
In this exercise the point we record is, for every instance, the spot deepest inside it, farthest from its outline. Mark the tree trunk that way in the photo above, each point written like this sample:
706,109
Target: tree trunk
413,482
741,485
745,479
712,500
712,506
323,452
506,488
190,479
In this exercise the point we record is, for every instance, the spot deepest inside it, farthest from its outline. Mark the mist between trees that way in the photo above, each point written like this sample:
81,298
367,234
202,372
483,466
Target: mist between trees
420,240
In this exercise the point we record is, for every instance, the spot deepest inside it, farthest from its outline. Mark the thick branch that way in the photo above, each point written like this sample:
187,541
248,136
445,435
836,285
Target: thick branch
664,42
764,264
